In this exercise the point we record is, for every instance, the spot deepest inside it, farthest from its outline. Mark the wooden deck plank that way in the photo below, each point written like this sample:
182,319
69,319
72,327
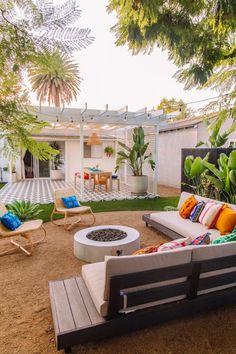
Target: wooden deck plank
62,306
78,308
95,317
53,307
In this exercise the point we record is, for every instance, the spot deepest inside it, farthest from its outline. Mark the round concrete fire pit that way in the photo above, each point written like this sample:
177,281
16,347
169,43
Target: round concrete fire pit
93,243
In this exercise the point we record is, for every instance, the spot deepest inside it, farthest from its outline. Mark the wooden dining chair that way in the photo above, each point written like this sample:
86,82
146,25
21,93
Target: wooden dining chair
104,179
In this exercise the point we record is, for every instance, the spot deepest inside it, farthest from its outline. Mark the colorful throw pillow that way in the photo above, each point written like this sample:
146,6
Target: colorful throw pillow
196,212
174,244
10,221
210,214
202,239
70,202
146,250
228,238
187,207
226,221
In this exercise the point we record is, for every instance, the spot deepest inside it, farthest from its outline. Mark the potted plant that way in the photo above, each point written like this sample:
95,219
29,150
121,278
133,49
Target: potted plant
136,156
56,163
109,151
6,177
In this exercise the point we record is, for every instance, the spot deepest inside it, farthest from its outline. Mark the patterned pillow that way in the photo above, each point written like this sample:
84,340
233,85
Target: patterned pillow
149,249
194,216
210,214
202,239
228,238
187,207
10,221
182,242
70,202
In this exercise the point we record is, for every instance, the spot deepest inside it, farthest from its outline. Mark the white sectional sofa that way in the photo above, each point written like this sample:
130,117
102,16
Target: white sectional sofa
127,293
171,223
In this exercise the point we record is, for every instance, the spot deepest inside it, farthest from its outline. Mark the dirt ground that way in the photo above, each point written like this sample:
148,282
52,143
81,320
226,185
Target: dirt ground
25,317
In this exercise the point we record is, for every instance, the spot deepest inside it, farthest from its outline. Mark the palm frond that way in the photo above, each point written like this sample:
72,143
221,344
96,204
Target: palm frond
66,39
59,16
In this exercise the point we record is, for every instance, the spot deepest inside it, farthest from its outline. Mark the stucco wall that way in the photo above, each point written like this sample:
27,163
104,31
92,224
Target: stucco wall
169,157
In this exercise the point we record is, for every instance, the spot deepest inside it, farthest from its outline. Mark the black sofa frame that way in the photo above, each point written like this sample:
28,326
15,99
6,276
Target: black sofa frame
77,321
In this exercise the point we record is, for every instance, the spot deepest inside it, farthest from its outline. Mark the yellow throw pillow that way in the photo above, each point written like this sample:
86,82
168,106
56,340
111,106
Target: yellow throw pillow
146,250
187,207
226,221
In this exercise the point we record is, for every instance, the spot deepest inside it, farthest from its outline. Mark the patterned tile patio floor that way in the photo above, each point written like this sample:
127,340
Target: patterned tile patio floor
41,191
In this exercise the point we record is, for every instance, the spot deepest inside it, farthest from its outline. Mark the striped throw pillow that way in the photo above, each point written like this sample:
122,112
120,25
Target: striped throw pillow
210,214
194,216
182,242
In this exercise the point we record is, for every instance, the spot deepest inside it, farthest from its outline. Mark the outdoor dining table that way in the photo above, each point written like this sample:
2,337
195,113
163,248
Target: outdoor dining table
91,172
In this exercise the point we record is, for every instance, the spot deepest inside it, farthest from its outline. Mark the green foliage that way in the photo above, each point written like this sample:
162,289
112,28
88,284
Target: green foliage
25,210
109,150
216,137
135,156
193,170
56,161
224,177
198,35
55,78
172,105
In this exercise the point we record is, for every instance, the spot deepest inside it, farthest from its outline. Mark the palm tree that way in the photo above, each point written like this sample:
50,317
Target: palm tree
54,76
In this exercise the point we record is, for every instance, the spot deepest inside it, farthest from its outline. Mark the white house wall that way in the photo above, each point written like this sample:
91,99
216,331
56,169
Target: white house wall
169,157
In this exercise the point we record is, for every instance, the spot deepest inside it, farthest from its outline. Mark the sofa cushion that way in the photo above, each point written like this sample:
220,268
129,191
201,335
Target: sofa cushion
210,214
206,252
182,242
196,212
187,207
226,221
133,264
185,195
94,278
184,227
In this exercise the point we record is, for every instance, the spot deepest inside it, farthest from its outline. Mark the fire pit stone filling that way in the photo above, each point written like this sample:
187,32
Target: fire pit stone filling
106,235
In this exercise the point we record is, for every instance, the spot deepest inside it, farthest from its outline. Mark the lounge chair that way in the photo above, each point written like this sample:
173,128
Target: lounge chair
128,293
24,231
59,208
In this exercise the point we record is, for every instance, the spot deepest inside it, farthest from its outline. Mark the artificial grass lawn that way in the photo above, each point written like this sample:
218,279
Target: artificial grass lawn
117,205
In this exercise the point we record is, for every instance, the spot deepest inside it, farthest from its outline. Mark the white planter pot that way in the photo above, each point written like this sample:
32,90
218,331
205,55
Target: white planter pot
4,176
56,174
13,177
138,184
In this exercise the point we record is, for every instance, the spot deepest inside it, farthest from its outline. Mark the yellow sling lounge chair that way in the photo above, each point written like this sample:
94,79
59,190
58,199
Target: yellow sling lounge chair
59,208
24,231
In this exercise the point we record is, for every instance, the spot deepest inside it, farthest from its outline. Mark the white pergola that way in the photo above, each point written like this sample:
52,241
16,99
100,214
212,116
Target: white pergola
80,120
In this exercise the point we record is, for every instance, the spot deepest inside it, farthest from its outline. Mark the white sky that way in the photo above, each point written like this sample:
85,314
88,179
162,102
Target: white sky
113,75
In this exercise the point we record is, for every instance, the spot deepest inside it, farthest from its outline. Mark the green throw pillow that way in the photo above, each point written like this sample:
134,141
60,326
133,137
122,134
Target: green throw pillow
227,238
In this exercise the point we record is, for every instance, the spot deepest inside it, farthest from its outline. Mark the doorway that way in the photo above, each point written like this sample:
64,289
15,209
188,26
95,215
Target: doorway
35,168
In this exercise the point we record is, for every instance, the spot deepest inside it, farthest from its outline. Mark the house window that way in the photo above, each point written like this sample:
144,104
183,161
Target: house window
87,151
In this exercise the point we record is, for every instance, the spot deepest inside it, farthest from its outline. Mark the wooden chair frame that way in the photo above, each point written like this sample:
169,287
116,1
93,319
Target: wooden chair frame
60,209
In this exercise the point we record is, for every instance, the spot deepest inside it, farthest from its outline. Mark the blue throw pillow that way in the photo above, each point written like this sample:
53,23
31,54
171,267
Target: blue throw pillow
70,202
10,221
194,216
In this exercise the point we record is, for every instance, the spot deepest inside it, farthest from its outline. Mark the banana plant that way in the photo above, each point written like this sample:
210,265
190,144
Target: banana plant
137,155
216,137
224,177
193,170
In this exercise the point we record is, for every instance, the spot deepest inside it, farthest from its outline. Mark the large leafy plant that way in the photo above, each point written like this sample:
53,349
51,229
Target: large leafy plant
25,210
217,137
224,177
194,169
136,155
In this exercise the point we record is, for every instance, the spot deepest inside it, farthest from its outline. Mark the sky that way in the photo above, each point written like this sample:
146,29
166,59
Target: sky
112,75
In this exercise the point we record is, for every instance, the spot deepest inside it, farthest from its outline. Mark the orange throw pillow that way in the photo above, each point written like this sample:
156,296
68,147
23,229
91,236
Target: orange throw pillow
187,207
226,221
146,250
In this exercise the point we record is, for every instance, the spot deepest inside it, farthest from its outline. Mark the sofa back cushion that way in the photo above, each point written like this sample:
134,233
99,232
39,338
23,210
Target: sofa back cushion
210,252
186,195
132,264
